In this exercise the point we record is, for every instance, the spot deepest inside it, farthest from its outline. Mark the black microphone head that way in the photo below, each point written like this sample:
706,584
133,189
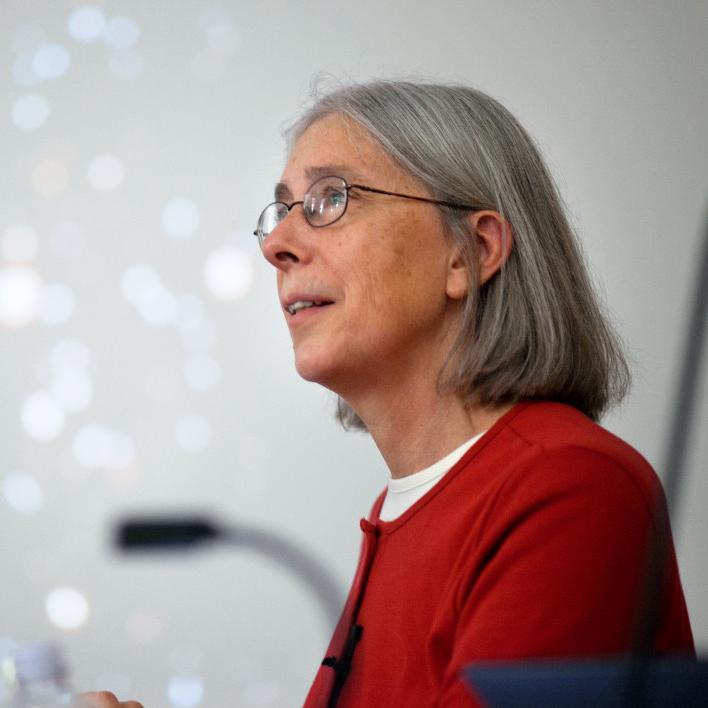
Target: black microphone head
163,533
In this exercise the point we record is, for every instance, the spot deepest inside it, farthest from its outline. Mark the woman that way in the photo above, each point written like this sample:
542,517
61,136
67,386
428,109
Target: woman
429,277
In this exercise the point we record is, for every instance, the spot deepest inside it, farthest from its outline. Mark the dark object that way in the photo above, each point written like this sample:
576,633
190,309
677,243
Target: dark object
164,533
592,684
182,533
675,455
343,666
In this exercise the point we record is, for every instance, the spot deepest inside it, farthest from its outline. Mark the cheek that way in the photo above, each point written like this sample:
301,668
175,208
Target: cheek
375,274
385,294
393,273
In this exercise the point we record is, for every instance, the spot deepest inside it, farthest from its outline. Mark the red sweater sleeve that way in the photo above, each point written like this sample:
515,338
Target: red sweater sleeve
564,550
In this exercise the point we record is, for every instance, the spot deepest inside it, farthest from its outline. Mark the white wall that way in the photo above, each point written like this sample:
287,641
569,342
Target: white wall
616,95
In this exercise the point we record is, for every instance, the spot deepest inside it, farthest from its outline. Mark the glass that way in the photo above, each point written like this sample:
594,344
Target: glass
326,202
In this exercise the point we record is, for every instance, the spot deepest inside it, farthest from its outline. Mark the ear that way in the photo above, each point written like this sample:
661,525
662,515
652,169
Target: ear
458,283
494,239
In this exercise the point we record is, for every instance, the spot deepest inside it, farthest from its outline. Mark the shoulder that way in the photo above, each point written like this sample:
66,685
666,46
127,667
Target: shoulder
554,431
558,450
569,487
550,425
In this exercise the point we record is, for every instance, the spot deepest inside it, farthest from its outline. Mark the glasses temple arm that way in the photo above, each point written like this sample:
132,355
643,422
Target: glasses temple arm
452,205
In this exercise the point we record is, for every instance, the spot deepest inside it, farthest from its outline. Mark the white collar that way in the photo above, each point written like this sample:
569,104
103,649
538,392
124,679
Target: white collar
437,469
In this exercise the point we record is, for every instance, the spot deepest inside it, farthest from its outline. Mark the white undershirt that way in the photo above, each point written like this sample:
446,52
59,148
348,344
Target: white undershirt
404,492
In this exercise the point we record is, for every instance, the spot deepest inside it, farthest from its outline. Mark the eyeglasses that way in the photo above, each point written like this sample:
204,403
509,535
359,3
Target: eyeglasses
326,202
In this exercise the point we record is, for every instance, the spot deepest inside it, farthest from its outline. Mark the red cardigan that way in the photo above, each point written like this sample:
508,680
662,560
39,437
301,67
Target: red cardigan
532,545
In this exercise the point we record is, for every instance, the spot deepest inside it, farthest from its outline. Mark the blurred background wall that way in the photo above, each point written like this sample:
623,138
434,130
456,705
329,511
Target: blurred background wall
145,364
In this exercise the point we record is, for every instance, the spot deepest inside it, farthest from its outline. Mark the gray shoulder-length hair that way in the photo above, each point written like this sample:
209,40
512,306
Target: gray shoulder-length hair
535,330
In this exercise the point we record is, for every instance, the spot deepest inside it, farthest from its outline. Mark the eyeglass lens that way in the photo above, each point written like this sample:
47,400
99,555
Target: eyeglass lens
272,215
324,203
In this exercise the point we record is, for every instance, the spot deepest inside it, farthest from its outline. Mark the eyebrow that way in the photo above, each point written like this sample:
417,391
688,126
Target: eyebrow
282,191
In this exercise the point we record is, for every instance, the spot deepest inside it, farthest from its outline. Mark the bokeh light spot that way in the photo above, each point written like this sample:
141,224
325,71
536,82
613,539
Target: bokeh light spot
30,112
193,433
221,35
51,61
20,296
69,353
86,23
42,417
95,446
50,178
122,452
228,273
105,173
157,307
190,310
137,281
58,304
180,218
185,691
22,492
141,286
7,671
72,389
25,42
19,243
92,445
23,71
121,32
67,608
202,373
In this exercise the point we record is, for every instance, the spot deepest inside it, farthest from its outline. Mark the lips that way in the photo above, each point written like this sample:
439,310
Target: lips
296,304
301,305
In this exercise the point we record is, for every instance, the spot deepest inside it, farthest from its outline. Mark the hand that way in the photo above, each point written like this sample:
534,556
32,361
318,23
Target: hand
105,699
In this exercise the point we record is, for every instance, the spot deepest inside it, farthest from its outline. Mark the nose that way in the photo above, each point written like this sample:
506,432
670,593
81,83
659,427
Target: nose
288,243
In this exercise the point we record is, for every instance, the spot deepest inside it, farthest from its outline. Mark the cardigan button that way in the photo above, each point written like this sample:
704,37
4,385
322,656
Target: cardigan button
368,527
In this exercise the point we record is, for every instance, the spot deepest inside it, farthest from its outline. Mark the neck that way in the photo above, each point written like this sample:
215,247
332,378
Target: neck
412,423
415,430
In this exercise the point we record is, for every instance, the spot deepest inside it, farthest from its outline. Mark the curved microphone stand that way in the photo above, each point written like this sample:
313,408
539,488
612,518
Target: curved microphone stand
162,533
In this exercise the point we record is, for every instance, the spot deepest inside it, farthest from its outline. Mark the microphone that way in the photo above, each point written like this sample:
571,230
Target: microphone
158,534
188,532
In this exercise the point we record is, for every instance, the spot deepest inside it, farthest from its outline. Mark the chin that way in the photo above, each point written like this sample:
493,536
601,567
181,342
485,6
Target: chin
314,366
325,367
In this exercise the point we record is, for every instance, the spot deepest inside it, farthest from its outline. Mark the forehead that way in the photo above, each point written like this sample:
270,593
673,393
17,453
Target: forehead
334,145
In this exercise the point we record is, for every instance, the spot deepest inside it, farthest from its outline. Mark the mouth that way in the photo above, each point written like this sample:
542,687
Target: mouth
300,305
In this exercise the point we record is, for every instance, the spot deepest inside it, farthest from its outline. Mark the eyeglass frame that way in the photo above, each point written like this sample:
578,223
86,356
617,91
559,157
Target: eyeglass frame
261,238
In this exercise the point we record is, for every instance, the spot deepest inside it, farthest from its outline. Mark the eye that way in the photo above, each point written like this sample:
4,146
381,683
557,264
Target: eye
334,198
325,201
